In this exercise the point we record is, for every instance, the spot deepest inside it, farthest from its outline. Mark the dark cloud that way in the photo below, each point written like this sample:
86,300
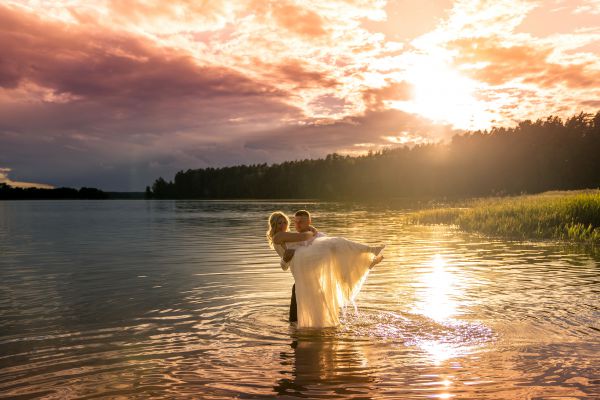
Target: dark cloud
296,71
370,128
108,65
80,104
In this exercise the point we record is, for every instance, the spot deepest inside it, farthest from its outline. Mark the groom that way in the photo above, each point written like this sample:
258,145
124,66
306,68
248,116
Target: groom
302,223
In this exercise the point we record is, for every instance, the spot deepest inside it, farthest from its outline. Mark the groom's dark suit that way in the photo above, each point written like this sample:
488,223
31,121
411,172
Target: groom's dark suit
293,307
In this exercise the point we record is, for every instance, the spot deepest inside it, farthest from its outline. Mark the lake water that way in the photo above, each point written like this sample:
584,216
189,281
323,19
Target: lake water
172,299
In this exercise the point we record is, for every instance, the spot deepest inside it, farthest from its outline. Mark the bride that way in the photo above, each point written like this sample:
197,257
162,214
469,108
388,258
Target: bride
328,271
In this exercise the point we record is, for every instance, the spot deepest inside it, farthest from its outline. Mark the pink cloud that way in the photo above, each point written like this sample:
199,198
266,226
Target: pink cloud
298,20
527,63
108,65
375,98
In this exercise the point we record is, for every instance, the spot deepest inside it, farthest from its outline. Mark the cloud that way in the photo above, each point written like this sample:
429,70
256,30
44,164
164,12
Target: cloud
371,127
74,99
588,7
298,20
296,71
109,66
525,59
525,63
375,98
5,179
115,93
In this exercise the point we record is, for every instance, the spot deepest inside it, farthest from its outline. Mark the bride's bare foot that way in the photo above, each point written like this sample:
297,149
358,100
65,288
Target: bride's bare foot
376,260
377,249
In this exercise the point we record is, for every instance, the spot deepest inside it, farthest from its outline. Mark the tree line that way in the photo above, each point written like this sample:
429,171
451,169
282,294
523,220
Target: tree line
8,192
547,154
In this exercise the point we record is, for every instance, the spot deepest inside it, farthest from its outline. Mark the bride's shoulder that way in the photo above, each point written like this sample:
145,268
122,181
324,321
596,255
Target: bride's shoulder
278,237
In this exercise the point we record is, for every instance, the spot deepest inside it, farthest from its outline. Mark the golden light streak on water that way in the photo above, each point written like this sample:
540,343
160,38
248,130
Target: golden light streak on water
438,291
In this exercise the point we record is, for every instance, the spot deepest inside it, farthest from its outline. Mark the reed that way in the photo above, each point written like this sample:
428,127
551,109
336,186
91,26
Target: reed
563,215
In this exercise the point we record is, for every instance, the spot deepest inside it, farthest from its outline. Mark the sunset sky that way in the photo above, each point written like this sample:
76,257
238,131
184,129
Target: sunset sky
113,94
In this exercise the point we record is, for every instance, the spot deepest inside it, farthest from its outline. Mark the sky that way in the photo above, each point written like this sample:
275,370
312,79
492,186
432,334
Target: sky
113,94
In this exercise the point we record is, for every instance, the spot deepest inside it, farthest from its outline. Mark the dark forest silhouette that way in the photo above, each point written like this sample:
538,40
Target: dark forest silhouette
531,157
8,192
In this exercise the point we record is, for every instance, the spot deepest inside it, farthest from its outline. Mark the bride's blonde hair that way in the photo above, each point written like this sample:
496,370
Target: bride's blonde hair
273,219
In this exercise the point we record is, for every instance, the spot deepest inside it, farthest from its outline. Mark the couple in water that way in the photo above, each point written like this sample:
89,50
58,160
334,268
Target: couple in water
328,271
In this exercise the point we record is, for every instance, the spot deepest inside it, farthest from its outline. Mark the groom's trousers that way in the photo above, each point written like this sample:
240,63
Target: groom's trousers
293,307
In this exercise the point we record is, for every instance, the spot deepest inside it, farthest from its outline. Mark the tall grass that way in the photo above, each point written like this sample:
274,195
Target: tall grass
573,216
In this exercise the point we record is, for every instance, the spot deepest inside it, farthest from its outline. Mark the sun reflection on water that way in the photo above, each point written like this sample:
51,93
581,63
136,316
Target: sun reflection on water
438,351
439,291
440,295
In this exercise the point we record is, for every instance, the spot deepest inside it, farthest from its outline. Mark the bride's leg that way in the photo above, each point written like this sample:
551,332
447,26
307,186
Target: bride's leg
376,251
365,248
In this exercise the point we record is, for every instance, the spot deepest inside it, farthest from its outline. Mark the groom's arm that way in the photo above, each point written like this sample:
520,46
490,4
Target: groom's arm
289,253
284,237
316,234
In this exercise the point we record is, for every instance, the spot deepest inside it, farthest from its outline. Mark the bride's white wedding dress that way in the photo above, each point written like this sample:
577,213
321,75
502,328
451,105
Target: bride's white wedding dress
328,274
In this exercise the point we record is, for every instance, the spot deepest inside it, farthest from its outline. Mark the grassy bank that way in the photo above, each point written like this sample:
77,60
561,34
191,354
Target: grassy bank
573,216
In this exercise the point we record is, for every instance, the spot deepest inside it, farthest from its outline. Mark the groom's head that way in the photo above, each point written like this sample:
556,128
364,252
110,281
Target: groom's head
301,220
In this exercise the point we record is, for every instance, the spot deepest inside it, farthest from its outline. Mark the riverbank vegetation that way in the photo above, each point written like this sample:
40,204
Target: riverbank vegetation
573,216
532,157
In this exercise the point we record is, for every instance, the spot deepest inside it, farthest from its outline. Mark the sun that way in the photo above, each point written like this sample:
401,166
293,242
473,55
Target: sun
444,95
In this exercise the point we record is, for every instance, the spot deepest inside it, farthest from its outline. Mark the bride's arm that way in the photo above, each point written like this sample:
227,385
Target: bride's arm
283,237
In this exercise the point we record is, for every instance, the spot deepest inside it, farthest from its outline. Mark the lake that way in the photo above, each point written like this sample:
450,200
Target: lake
173,299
